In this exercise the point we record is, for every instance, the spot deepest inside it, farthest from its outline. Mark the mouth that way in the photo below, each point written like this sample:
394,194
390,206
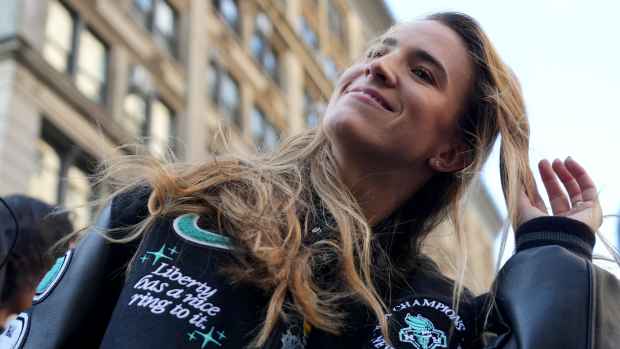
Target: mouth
372,95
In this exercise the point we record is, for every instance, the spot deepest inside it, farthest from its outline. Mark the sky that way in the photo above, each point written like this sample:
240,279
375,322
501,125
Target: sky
566,54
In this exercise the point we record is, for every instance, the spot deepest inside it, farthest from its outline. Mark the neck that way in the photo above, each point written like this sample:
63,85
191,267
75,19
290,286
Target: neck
379,192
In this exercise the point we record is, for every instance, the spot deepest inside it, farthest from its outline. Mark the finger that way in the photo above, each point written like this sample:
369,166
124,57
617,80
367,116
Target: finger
524,201
533,195
570,183
538,200
586,185
557,198
524,208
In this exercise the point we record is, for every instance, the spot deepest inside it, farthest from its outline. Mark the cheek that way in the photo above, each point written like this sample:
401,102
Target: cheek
426,123
428,112
354,72
339,117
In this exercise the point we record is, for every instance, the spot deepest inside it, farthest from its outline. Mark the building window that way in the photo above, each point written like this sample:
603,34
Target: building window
161,19
229,10
135,106
264,133
224,93
229,98
71,47
59,36
44,182
335,21
136,103
78,194
330,68
62,173
147,116
262,49
311,112
213,80
308,35
313,103
90,71
160,128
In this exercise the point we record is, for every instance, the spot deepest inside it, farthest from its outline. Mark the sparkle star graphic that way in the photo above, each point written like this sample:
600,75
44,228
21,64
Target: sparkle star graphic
191,336
221,334
144,258
159,254
208,338
173,250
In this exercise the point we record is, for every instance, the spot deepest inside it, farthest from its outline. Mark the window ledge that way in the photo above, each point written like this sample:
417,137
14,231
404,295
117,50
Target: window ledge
61,84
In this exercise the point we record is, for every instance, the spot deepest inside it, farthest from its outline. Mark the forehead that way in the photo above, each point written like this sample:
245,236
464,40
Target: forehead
438,40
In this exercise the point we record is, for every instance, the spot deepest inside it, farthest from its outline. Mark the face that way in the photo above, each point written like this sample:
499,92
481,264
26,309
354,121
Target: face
24,300
398,107
20,303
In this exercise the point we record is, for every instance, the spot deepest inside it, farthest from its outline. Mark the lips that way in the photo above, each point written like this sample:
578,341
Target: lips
373,95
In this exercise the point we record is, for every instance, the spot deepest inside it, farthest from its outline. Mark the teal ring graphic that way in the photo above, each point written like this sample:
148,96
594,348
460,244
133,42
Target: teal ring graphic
52,277
186,226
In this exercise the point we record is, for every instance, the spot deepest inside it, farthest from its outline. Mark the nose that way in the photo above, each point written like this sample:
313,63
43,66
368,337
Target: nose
377,71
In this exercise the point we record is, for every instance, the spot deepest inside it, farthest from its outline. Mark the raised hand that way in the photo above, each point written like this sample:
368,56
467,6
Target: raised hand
581,204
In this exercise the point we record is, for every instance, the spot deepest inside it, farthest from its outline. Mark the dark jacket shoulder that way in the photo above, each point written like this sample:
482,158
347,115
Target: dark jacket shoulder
74,307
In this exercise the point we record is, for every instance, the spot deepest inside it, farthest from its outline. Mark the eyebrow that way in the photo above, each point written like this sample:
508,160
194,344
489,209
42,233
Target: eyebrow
389,41
420,54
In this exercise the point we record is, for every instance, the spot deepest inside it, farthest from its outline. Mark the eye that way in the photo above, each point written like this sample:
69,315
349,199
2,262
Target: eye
423,74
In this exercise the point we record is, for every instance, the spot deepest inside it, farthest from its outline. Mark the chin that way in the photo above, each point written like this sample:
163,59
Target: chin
345,123
354,136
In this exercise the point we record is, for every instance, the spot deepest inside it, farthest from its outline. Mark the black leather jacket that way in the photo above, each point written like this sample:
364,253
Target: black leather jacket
548,295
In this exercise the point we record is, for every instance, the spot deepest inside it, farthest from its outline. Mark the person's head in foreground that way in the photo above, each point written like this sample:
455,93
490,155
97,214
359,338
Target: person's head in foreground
39,228
406,130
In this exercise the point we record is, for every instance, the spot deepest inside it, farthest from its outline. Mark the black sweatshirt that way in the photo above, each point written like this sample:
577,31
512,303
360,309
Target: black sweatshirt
174,295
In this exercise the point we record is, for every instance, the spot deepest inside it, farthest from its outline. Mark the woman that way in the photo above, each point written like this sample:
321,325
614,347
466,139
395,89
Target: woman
28,230
317,245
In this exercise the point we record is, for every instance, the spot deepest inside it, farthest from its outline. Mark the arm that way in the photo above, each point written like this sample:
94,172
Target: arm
550,295
74,303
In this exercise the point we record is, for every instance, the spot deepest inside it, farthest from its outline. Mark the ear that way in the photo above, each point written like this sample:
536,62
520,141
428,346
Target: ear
453,157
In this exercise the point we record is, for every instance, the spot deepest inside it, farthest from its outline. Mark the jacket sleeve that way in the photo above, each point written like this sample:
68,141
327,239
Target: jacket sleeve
75,300
550,295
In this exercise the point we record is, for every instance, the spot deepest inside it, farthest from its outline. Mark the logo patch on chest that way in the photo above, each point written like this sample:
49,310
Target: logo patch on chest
186,226
421,333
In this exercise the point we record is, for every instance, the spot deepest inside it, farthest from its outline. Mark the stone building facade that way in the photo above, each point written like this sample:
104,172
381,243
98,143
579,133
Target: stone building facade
78,78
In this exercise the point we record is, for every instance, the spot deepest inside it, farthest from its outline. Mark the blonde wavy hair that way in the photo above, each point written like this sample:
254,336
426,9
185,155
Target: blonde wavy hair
267,203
